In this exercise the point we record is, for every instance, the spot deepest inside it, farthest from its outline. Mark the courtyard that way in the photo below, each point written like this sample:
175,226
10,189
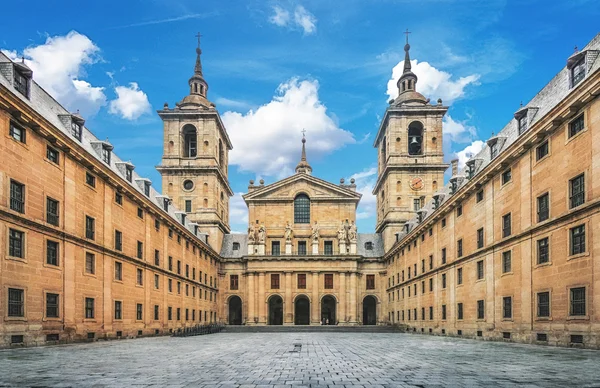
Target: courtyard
301,360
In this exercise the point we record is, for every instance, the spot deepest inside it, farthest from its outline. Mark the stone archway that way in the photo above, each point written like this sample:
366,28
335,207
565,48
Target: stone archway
328,310
302,310
275,310
235,310
369,310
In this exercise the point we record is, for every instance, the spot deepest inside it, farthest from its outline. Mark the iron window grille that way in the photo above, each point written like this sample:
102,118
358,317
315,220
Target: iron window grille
459,311
52,155
459,248
16,302
480,309
52,208
156,312
52,252
118,240
578,240
506,262
16,242
52,303
507,307
543,304
459,276
480,238
480,270
302,209
543,251
118,271
17,196
90,263
140,250
140,309
543,207
118,309
577,306
17,133
90,228
506,225
577,191
443,312
89,308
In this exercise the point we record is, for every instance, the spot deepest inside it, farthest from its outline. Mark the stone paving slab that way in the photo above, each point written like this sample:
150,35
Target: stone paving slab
334,360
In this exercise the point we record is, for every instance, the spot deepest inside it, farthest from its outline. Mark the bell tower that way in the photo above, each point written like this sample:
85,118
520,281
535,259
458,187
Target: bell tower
195,158
410,155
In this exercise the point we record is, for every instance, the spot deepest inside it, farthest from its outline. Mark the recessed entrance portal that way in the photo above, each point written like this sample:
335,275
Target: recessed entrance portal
302,310
328,305
275,310
369,310
235,310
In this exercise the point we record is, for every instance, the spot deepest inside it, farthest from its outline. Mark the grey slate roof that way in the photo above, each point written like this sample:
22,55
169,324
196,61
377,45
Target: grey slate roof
227,250
375,239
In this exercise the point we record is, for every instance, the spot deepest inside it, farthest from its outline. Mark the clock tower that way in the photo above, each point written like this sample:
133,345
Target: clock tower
410,155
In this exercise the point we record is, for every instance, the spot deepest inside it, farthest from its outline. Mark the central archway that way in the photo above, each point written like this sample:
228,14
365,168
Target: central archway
302,310
328,307
235,310
275,310
369,310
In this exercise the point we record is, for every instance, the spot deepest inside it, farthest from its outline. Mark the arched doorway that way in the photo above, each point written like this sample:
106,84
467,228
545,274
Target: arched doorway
302,310
235,310
328,305
275,310
369,310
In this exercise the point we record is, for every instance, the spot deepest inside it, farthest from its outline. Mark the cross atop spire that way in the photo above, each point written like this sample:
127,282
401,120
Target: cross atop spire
198,35
407,32
198,67
303,165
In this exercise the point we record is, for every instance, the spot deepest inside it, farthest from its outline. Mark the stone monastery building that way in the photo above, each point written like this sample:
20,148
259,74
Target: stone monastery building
506,250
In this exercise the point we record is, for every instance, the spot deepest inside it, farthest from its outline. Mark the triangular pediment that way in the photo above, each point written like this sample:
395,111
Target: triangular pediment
317,189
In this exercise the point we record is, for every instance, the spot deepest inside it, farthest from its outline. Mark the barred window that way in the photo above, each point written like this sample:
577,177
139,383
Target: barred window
543,304
140,276
118,309
480,309
16,302
578,240
51,252
577,307
89,308
459,311
139,311
140,250
506,225
52,306
118,240
459,276
543,250
16,243
480,270
302,209
506,262
507,307
233,282
543,207
17,196
118,270
52,216
90,227
370,282
577,191
480,238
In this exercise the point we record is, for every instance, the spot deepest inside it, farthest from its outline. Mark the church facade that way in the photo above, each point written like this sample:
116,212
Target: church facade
505,250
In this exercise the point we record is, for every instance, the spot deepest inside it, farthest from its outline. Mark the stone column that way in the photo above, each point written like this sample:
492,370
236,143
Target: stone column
260,301
288,318
315,316
342,295
353,292
250,302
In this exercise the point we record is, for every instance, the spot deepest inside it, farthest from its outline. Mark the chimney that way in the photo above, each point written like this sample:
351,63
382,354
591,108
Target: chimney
454,167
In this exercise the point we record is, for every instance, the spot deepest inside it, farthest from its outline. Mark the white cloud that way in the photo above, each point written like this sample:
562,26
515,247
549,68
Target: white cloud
267,140
468,152
238,212
58,66
432,83
365,181
302,19
234,104
131,102
457,131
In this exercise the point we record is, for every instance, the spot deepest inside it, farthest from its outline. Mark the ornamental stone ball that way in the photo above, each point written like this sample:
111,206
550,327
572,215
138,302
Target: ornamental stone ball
251,181
342,181
352,180
262,181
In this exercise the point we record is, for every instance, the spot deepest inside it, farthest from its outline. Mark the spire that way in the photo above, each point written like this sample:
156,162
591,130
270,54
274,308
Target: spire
303,166
198,67
407,84
197,98
407,66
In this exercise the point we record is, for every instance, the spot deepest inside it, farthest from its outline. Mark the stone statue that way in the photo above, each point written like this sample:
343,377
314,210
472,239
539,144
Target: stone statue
342,233
315,232
352,232
251,234
288,232
262,234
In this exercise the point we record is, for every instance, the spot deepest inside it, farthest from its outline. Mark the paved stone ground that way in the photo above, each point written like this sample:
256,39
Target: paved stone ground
324,359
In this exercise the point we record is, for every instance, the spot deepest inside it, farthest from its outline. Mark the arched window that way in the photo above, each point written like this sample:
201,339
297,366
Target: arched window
302,209
190,144
205,203
415,138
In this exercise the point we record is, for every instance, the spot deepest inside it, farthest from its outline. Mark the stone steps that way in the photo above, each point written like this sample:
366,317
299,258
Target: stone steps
302,328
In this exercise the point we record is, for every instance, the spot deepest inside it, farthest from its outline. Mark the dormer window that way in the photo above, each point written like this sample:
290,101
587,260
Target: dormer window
183,218
494,150
76,130
470,170
578,71
236,246
369,246
129,174
166,204
147,188
106,154
522,123
453,186
21,82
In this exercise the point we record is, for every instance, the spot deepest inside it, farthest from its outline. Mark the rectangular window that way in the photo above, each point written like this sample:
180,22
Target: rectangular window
430,284
443,312
444,253
506,176
140,250
275,281
118,240
156,257
170,313
522,121
576,126
443,280
507,307
17,132
16,243
147,190
577,191
302,281
106,155
16,302
90,228
578,72
21,82
480,238
52,154
179,267
423,266
443,226
89,308
506,225
118,309
577,307
459,210
52,216
140,276
479,195
90,179
416,204
328,248
542,150
328,280
90,263
118,270
52,310
507,262
52,252
459,311
156,281
76,129
17,196
578,240
459,276
543,304
187,271
459,248
140,213
275,248
170,285
370,282
543,250
156,312
233,282
480,309
118,198
157,226
139,310
302,248
170,263
480,270
188,206
430,261
543,207
493,150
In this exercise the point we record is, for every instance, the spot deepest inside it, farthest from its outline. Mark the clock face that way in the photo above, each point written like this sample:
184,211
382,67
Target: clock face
416,183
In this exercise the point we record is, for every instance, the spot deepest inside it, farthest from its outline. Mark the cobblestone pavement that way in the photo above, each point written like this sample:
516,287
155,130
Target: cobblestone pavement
323,359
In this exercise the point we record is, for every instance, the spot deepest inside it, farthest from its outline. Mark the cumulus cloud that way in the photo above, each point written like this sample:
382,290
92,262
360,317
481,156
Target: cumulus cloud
59,65
267,140
238,212
457,133
432,83
468,152
131,102
365,181
302,19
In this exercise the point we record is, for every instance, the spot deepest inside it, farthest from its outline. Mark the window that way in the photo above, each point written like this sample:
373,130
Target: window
443,312
147,189
118,309
430,261
21,82
118,270
275,248
541,151
543,304
89,308
236,246
188,206
444,253
52,306
170,313
543,250
543,207
576,126
129,175
459,311
328,248
302,281
480,270
157,224
140,213
233,282
106,154
170,263
416,204
480,238
507,307
430,284
577,307
170,285
52,252
118,198
577,191
52,154
140,250
118,240
275,281
578,240
494,150
328,280
459,276
459,248
156,312
302,248
506,262
179,267
90,263
17,196
16,243
443,281
190,141
139,311
90,227
52,216
17,132
480,309
370,282
578,72
423,266
140,277
16,302
479,196
522,121
506,176
302,209
156,281
90,179
506,225
443,223
76,129
459,210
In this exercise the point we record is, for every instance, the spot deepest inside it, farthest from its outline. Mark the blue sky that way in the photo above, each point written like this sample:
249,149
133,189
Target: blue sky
275,67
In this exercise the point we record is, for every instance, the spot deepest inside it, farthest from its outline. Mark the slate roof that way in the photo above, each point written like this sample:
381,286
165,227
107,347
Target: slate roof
227,250
375,239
